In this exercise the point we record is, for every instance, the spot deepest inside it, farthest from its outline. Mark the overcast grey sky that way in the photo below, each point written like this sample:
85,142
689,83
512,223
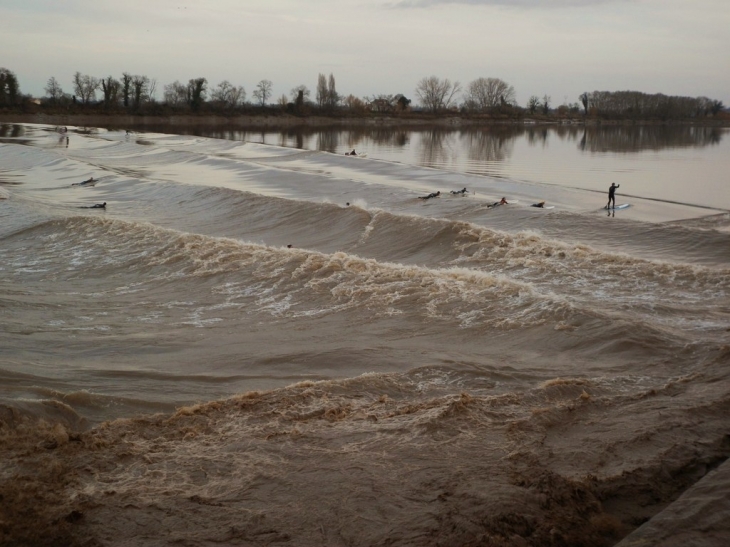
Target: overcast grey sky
555,47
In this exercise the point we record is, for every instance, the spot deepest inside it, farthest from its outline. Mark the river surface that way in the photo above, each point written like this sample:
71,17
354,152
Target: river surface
273,343
683,164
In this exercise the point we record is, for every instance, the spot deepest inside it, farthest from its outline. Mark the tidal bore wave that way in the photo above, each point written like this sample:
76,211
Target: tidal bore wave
255,345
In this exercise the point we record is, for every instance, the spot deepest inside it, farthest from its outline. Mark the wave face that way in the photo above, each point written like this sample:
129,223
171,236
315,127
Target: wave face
294,335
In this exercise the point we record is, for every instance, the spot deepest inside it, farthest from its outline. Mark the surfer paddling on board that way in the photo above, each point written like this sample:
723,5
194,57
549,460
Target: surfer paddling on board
503,201
431,195
95,206
461,192
612,195
540,204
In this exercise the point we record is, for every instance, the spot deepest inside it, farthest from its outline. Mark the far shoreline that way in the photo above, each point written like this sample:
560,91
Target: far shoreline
132,121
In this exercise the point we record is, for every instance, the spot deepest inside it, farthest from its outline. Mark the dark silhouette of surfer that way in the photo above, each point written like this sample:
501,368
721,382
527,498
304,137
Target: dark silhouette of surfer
461,192
95,206
540,204
431,195
612,195
88,181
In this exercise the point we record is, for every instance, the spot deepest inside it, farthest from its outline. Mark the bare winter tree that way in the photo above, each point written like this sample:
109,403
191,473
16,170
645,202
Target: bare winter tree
533,103
139,86
228,95
110,87
53,90
322,93
546,105
354,103
436,94
126,88
263,91
294,93
584,98
332,97
484,93
151,90
85,87
176,94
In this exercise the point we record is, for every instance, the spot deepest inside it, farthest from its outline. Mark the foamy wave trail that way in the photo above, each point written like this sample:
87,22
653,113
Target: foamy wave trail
222,276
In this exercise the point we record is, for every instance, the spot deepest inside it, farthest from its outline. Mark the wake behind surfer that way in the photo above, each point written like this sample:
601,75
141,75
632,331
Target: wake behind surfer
612,195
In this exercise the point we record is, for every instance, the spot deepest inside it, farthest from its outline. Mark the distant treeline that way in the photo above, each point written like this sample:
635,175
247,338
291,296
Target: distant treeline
488,98
637,105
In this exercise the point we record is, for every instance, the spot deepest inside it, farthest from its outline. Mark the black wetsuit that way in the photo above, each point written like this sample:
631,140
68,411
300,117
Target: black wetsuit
612,195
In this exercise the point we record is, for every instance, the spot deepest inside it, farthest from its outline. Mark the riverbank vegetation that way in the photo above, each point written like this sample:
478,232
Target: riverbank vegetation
482,100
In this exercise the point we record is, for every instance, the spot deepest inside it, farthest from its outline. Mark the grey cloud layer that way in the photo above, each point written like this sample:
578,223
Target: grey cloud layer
512,3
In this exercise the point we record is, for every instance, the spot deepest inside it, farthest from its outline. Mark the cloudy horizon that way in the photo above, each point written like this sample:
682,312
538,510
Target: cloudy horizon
558,48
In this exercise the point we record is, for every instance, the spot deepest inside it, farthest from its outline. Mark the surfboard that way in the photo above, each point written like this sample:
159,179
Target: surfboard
497,204
546,207
618,207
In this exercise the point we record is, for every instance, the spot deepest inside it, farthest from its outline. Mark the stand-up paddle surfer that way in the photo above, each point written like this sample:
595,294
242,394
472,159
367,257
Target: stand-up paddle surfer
612,195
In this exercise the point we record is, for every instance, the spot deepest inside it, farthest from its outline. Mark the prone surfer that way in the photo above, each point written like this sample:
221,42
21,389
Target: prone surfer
503,201
95,206
540,204
462,192
90,180
431,195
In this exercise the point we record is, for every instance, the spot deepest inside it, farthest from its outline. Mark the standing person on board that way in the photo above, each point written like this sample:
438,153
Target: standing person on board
612,195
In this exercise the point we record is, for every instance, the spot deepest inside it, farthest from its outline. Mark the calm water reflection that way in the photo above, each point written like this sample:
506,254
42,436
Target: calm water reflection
685,164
